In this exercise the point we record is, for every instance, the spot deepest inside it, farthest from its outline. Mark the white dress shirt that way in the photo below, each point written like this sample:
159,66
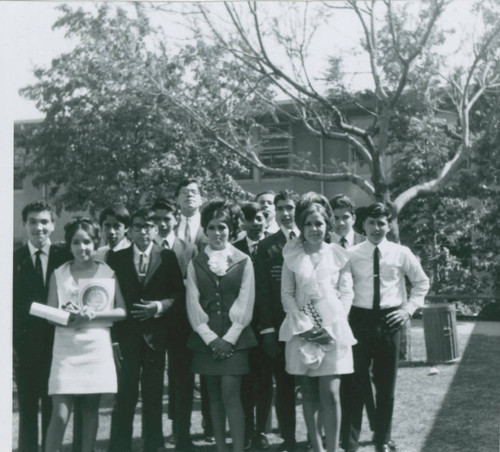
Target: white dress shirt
287,232
44,257
194,225
170,238
240,312
396,262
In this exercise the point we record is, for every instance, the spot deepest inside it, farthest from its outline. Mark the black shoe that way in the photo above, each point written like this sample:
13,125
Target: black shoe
185,446
248,442
209,437
260,441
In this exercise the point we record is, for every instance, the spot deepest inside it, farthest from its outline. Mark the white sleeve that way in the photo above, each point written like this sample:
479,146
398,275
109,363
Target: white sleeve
419,281
198,318
241,311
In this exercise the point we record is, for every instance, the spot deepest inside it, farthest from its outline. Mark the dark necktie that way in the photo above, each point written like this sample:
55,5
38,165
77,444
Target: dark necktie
343,242
376,279
39,270
165,244
253,251
142,267
292,235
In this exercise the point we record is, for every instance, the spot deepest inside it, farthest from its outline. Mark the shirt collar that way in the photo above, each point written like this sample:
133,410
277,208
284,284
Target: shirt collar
349,237
121,245
147,252
170,239
45,249
251,242
192,219
286,231
383,246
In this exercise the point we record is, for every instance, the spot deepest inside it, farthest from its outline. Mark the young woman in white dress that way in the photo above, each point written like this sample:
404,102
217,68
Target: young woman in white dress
82,357
316,292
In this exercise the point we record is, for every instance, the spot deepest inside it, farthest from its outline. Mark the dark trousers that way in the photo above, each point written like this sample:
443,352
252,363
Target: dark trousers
145,366
257,392
32,386
377,349
285,398
180,393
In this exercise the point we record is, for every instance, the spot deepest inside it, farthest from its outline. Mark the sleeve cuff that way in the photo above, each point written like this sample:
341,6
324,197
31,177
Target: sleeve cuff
268,330
206,334
233,333
159,309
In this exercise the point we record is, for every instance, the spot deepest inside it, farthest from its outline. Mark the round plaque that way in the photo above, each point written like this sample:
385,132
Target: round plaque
95,297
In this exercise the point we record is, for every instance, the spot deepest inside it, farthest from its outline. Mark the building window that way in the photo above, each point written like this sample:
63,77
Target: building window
358,163
277,148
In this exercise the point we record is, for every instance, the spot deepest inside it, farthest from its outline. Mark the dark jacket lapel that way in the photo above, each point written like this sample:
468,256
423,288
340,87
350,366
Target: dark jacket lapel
154,263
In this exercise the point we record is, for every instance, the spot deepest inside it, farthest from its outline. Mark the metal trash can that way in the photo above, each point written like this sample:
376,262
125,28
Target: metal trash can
440,330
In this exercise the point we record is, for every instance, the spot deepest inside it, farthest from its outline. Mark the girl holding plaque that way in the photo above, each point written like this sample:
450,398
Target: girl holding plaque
316,292
82,357
220,297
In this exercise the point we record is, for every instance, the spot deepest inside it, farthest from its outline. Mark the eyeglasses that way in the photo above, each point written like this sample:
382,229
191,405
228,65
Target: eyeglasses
137,227
187,191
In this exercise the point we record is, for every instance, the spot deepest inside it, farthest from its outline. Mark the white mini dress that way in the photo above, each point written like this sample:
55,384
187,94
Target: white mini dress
82,358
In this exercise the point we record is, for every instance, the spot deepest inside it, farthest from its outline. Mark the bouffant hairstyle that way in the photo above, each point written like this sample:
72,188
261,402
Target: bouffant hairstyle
85,224
223,211
312,198
310,209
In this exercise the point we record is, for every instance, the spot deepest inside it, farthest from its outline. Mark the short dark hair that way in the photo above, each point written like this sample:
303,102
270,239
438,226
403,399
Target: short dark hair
144,213
376,210
115,210
250,209
265,192
165,204
314,208
221,210
342,201
37,206
185,182
312,198
285,195
84,223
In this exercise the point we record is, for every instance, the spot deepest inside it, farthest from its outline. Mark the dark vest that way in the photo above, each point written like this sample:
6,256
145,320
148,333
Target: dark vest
217,295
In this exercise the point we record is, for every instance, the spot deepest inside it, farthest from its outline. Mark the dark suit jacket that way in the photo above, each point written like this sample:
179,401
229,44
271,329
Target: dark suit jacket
32,336
242,245
163,280
268,265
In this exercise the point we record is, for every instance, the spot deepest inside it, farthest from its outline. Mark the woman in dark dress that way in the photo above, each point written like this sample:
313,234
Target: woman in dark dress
220,298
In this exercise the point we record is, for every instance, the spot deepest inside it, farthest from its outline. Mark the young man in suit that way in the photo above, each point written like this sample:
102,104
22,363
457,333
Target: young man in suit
166,219
151,282
32,336
378,312
166,216
257,386
268,265
343,234
189,199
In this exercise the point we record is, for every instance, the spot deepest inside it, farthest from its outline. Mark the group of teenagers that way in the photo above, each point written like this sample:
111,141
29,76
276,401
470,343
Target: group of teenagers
278,287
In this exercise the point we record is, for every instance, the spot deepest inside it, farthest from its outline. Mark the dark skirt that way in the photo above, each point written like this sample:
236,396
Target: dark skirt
204,364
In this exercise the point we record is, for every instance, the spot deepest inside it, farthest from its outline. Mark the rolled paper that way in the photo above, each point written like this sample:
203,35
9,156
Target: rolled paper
49,313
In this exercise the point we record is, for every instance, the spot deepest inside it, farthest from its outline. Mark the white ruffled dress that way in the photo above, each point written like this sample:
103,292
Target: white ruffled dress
315,296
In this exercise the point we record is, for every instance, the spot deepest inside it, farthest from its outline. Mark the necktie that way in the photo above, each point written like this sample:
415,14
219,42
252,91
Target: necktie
142,267
39,269
165,244
376,279
187,232
292,235
343,242
253,250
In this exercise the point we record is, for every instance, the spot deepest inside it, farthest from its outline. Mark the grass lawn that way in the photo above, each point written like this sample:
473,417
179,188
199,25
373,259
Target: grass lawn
455,410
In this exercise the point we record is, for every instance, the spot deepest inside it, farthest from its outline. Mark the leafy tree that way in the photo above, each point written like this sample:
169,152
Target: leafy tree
108,134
